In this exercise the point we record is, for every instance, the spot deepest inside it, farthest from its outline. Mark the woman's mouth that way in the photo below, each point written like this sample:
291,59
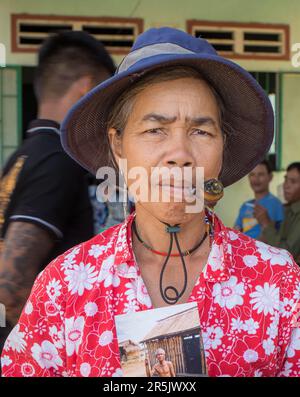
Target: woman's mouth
179,192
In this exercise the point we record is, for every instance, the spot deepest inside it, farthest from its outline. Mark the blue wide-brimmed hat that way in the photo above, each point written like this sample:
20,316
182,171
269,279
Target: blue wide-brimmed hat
248,112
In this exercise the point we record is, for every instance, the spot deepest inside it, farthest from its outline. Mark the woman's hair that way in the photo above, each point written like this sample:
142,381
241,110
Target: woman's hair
123,106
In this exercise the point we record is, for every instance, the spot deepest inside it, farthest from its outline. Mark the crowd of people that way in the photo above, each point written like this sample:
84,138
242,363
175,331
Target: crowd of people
265,217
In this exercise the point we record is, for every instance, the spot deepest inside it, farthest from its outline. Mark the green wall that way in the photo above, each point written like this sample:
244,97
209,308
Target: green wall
161,12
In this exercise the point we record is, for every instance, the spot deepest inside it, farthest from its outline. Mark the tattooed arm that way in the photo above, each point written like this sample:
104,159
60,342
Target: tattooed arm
26,248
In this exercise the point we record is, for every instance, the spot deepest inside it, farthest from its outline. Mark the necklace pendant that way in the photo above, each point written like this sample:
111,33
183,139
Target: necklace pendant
172,229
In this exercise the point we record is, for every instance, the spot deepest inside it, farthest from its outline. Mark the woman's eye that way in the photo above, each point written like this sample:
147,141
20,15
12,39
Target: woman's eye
201,132
154,131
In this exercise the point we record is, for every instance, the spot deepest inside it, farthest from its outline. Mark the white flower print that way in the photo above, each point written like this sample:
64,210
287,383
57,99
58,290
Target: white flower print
124,269
90,309
27,370
286,307
121,243
15,340
74,331
224,349
212,337
28,333
275,319
229,294
265,299
73,253
53,289
237,324
85,369
107,369
216,256
68,263
287,278
106,338
233,236
46,355
268,346
81,277
57,336
250,260
287,369
272,330
68,374
258,373
96,250
69,259
108,273
5,360
250,356
52,308
131,291
118,373
118,298
131,306
294,343
136,290
251,326
28,308
297,293
200,293
41,327
276,256
79,339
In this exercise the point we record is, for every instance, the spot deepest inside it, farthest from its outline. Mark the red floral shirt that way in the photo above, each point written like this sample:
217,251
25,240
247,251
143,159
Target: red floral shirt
247,298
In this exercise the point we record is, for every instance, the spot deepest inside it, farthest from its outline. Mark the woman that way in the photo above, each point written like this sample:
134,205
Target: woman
173,103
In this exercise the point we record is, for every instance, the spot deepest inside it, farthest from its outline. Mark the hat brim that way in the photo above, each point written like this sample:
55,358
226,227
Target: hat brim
248,114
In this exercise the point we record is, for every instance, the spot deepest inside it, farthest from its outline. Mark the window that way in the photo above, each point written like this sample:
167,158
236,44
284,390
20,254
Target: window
270,83
117,34
244,41
10,111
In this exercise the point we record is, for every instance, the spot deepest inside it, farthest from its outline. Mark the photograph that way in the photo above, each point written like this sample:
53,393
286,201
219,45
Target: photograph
163,342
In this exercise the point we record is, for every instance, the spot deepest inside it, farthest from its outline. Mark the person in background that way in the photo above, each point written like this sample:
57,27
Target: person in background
288,236
259,178
45,207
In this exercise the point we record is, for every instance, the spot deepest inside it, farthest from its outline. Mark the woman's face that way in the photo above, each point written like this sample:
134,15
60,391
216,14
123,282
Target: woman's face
172,124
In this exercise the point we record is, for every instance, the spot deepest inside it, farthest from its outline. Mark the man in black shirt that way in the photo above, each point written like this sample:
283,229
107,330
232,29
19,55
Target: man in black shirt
44,203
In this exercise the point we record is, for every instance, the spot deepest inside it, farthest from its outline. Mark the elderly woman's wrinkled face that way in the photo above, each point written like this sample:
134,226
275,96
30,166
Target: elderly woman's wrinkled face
172,123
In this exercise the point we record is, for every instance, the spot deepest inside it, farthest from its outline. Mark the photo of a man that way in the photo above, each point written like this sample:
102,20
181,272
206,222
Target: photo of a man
162,368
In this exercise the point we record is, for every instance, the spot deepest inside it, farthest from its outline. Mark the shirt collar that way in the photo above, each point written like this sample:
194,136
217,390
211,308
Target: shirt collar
218,264
43,125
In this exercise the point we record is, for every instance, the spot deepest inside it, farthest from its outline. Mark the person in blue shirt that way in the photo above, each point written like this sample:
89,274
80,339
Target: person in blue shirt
259,178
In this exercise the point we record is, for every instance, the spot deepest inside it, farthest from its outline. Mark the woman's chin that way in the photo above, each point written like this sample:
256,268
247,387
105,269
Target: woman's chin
172,213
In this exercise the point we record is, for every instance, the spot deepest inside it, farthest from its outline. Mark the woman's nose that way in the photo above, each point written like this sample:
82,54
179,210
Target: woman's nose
179,152
180,163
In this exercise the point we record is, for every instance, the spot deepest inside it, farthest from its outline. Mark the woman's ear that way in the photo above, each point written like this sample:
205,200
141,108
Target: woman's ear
115,143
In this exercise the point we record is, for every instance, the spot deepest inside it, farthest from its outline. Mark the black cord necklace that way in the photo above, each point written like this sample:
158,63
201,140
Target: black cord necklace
185,253
165,292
